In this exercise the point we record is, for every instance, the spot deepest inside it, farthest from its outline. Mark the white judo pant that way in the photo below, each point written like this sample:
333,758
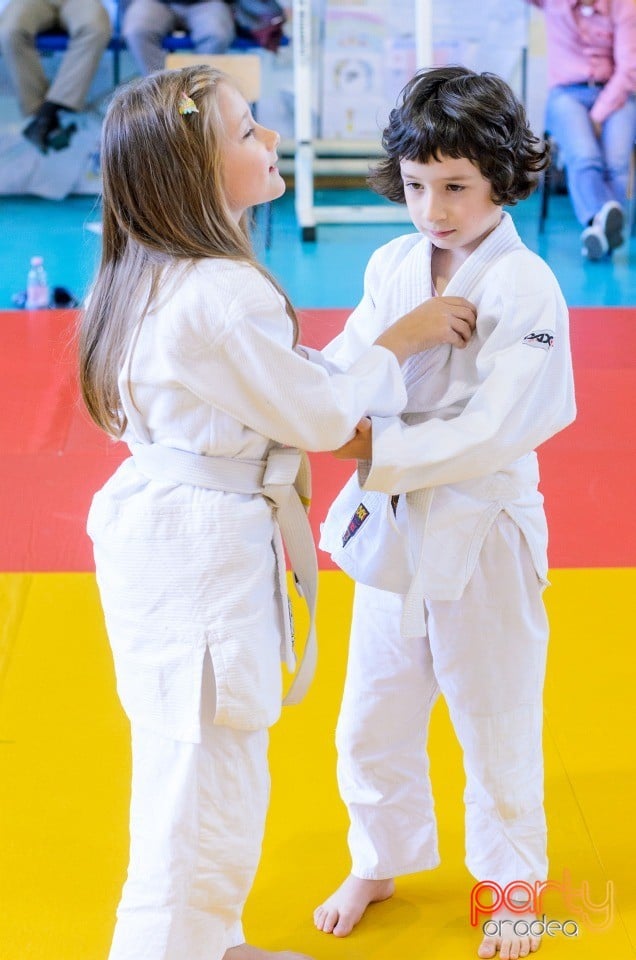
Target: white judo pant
486,654
196,826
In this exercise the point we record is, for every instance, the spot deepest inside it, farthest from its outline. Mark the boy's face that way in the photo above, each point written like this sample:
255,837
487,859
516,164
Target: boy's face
450,202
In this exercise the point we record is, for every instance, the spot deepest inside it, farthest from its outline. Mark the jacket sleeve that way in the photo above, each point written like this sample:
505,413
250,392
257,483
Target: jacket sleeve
364,325
524,394
246,367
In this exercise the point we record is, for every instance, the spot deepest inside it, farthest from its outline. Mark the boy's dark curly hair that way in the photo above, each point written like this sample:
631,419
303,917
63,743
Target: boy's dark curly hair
453,112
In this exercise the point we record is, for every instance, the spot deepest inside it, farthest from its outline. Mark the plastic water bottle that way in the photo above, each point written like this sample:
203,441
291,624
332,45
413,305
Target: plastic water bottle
37,291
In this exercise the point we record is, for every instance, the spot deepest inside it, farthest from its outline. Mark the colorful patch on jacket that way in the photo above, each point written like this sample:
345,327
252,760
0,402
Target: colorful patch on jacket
544,339
355,523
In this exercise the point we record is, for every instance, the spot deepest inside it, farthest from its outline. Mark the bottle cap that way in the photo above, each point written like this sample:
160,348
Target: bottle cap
36,261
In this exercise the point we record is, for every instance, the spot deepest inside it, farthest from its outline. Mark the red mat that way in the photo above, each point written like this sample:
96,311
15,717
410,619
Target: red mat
52,459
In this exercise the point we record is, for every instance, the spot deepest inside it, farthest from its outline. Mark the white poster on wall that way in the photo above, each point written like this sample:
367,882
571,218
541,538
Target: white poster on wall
369,53
488,35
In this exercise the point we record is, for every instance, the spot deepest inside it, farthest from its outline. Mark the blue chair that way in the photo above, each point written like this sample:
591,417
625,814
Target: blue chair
56,41
552,181
181,42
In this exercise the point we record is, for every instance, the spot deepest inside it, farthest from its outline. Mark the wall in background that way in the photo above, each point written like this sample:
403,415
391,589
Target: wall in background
365,51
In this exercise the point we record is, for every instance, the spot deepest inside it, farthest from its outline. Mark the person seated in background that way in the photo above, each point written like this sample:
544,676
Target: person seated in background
210,23
88,26
591,110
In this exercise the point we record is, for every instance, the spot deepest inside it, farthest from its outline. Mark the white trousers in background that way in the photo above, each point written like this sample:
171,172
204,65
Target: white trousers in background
486,654
196,826
89,31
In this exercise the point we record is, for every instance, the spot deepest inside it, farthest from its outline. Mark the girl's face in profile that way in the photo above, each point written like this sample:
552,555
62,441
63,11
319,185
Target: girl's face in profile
450,202
248,155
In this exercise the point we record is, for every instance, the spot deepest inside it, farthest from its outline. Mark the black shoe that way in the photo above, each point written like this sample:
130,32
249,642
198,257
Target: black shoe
38,130
64,298
60,137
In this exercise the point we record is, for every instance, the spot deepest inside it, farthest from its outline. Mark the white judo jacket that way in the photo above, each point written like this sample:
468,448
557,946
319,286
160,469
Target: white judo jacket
463,449
181,569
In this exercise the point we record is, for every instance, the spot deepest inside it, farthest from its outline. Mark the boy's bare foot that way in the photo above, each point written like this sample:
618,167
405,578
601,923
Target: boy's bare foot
245,951
344,908
506,941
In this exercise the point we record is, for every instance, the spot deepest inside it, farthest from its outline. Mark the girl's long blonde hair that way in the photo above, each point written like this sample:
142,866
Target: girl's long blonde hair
163,203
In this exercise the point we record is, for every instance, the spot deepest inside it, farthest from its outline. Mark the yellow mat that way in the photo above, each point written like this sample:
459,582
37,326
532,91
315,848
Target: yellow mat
65,769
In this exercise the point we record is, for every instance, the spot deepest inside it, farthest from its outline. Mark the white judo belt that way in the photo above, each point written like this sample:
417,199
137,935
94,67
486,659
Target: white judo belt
284,480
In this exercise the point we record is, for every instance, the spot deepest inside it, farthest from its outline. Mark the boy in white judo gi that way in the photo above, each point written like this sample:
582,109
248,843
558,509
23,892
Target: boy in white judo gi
443,525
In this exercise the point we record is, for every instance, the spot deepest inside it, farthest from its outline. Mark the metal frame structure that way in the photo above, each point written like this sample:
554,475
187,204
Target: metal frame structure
342,153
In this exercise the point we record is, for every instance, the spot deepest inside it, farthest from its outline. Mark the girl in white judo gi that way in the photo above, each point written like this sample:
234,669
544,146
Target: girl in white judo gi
443,525
187,352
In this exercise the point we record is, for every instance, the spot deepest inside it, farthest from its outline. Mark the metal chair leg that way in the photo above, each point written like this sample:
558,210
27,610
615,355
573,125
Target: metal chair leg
631,195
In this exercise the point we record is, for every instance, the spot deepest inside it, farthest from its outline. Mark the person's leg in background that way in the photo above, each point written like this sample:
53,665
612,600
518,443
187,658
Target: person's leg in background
596,207
211,25
19,23
146,23
89,29
618,139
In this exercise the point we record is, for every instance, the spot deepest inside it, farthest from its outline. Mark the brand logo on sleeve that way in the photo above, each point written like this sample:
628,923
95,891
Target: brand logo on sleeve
355,523
544,339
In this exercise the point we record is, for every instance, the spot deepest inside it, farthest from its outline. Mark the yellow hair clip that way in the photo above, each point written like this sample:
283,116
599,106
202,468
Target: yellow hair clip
187,105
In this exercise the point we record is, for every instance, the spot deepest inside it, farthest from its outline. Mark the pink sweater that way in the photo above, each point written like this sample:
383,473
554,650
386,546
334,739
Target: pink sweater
600,48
